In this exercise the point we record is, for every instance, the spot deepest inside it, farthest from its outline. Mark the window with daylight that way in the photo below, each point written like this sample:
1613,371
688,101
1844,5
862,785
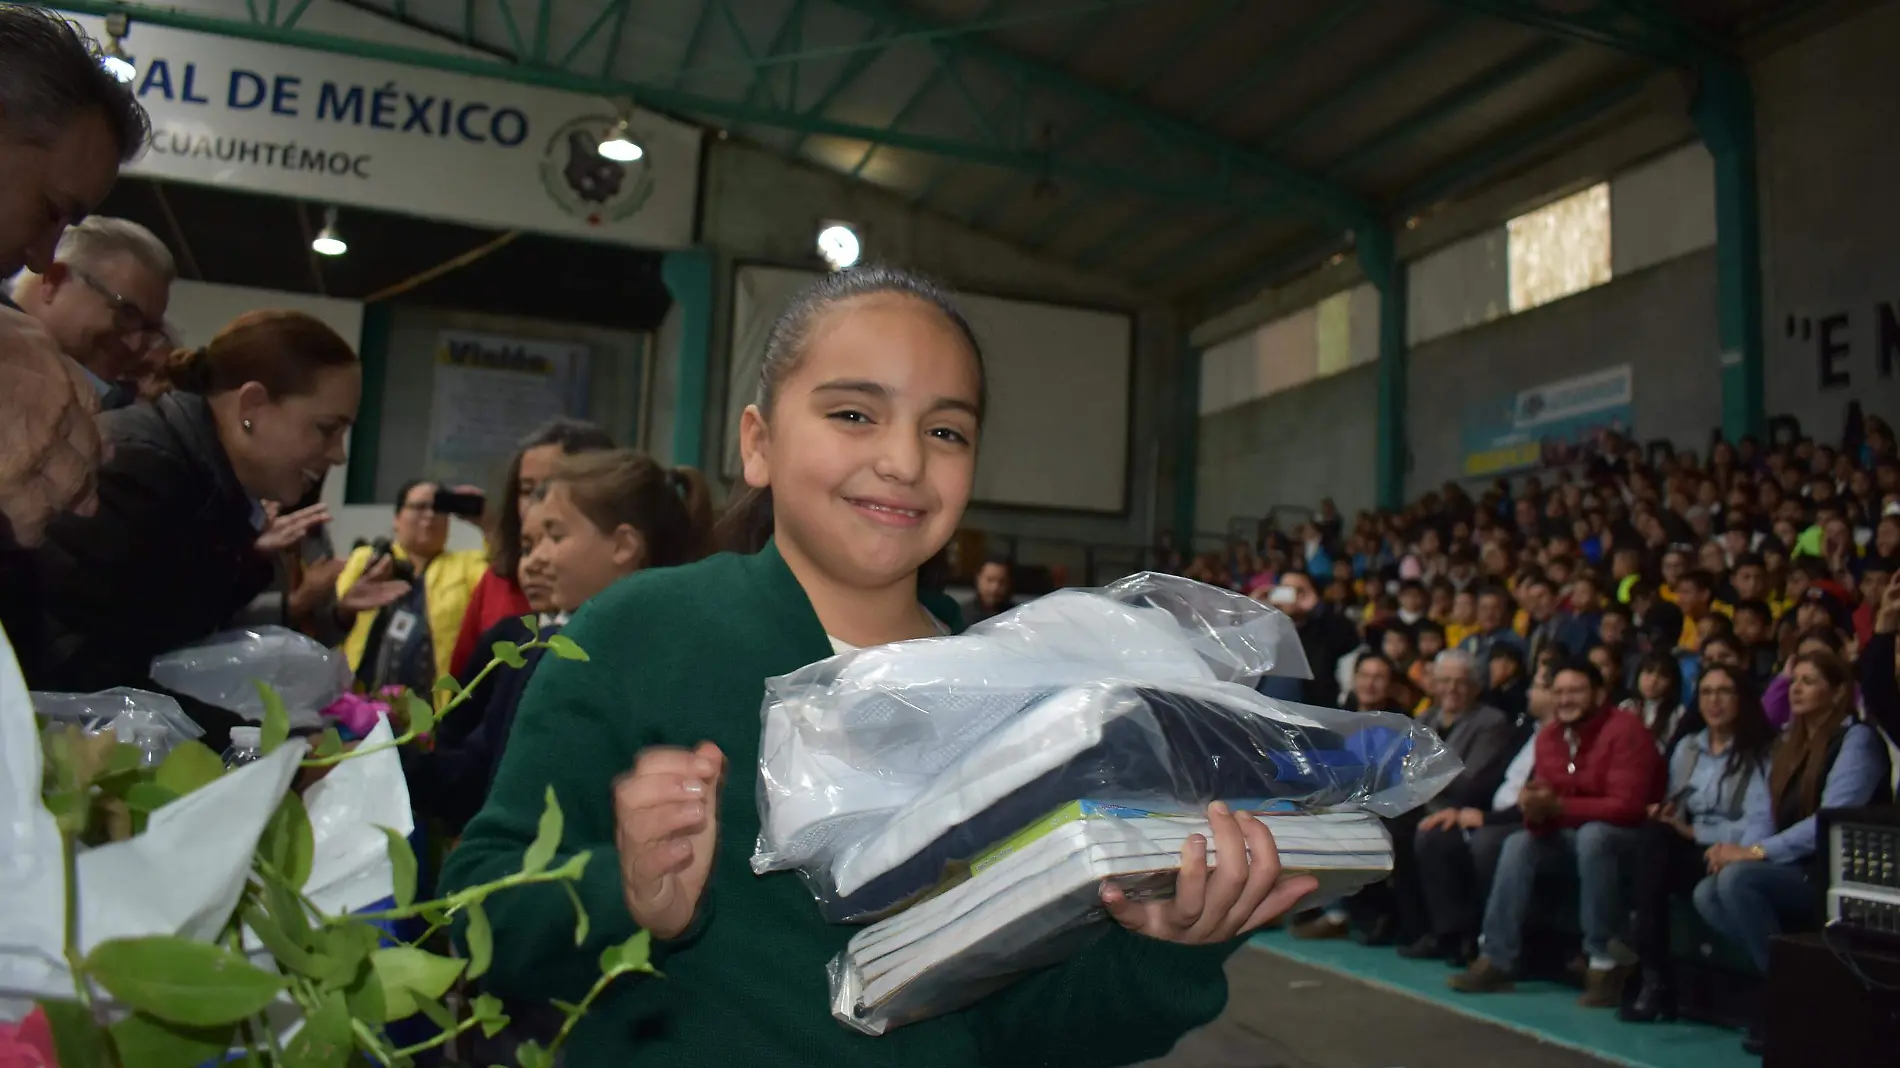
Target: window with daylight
1560,249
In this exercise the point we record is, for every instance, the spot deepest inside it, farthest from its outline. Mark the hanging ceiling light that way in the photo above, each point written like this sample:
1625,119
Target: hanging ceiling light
838,245
328,241
619,144
115,61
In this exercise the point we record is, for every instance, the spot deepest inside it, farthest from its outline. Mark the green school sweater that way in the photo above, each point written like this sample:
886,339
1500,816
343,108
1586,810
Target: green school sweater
679,656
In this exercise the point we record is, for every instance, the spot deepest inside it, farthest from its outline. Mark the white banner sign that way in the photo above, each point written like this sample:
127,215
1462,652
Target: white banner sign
341,130
490,392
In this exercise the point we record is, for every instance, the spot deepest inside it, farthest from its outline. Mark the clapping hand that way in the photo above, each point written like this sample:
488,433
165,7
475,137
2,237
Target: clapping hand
284,531
1539,802
1242,892
373,589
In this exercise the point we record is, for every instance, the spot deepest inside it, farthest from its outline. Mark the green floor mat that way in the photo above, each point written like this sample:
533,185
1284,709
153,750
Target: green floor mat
1546,1010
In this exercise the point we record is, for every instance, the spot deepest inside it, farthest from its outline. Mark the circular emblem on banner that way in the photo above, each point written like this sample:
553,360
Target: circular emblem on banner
1532,408
586,184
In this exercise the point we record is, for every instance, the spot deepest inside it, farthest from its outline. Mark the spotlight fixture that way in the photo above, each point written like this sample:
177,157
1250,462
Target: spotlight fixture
838,245
115,61
619,144
328,242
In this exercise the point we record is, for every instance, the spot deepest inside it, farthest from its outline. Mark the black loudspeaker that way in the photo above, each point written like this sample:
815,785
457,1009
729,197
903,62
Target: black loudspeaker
1831,1003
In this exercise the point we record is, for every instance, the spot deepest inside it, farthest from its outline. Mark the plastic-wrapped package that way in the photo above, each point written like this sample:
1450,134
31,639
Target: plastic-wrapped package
849,739
151,721
224,670
1034,901
971,794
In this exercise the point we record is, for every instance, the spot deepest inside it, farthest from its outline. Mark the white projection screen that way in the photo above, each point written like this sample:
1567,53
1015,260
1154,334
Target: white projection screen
1056,434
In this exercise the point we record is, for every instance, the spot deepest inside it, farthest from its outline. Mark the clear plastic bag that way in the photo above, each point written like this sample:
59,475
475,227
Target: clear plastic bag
224,670
970,794
151,721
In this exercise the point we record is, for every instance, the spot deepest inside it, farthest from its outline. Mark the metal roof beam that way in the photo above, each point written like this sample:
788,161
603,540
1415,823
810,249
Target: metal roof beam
1636,27
859,61
1341,205
917,95
676,101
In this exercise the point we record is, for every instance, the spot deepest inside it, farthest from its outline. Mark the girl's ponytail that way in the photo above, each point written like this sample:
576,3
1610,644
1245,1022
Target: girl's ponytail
695,526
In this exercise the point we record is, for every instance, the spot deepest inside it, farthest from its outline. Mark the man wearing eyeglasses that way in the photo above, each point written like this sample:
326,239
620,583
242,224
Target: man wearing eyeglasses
103,300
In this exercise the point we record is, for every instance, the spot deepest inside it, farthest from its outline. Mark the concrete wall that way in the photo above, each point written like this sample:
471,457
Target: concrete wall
760,208
1661,320
1826,112
1290,448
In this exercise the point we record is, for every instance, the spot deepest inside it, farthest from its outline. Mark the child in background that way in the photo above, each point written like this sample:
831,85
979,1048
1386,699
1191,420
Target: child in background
1462,623
860,452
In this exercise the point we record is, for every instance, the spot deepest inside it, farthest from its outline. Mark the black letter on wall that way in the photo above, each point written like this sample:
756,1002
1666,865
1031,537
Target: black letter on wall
1831,350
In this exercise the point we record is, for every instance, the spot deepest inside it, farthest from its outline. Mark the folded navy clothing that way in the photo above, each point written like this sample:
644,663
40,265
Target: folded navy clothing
1207,751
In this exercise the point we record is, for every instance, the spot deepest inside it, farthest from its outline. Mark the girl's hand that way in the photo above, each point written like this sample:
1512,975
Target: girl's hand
667,822
1243,892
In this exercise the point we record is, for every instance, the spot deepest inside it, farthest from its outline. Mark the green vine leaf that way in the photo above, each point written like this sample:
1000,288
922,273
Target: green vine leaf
421,714
148,797
480,939
580,914
486,1010
402,863
509,653
325,1041
566,648
287,951
76,1039
546,840
633,955
531,1055
276,729
449,685
364,996
150,1042
329,743
288,844
410,976
189,766
533,623
181,981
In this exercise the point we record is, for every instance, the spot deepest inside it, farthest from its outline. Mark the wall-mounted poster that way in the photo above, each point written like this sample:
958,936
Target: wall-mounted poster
1549,425
492,391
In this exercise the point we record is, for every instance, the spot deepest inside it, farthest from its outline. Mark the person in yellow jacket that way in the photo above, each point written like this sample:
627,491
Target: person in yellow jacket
410,642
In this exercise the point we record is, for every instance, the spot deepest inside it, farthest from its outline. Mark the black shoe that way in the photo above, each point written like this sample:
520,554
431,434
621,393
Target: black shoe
1462,952
1428,948
1383,931
1654,1000
1753,1042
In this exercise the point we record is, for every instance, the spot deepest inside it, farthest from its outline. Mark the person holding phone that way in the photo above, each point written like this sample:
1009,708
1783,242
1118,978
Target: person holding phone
408,641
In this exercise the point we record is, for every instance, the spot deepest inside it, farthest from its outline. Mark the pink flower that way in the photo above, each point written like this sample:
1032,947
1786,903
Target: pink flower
355,713
27,1044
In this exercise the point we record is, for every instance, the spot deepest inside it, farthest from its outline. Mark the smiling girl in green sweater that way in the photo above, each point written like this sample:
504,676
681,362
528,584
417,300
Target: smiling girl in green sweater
860,453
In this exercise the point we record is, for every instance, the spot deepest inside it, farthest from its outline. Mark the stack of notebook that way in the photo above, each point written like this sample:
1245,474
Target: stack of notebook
1032,900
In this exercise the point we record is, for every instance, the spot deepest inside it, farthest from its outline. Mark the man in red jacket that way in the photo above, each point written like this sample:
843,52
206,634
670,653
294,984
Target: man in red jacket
1596,771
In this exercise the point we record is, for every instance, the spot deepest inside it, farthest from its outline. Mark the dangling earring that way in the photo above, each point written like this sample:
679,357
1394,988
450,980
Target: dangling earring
247,426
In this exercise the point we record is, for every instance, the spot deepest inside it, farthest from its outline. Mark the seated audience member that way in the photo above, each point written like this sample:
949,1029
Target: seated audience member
1609,662
602,516
1658,702
1372,677
1484,739
1462,623
1695,598
1879,671
1428,640
1585,601
1549,626
1748,578
409,641
1614,626
496,598
1825,759
1326,637
1413,601
1507,678
1876,574
1755,630
1774,698
103,300
1596,771
1716,777
1457,849
995,591
1493,625
171,552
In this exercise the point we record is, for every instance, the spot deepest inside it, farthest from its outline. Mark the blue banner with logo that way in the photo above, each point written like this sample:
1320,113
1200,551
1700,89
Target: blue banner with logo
1549,425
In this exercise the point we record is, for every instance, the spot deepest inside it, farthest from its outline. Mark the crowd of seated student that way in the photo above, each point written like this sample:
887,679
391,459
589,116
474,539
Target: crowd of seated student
1692,658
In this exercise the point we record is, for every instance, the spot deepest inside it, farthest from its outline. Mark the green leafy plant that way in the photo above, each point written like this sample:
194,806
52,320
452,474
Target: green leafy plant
345,978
